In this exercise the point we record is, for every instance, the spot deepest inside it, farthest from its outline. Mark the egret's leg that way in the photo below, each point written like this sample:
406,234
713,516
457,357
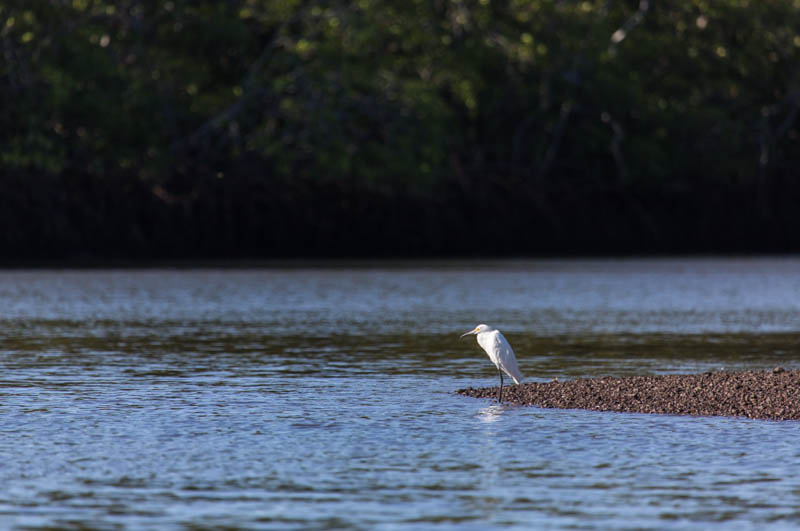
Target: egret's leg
500,391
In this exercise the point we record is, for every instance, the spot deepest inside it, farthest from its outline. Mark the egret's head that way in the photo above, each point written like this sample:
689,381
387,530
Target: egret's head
477,330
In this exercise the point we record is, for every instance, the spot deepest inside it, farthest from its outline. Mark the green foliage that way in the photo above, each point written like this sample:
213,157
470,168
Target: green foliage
549,98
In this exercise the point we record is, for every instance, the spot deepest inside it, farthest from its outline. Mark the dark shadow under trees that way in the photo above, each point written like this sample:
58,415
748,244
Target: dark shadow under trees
246,129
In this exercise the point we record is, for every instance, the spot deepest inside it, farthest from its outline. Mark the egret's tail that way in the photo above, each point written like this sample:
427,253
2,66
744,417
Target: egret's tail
515,375
512,371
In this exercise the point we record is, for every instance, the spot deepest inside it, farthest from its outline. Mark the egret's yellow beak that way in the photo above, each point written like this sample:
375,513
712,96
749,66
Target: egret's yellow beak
474,330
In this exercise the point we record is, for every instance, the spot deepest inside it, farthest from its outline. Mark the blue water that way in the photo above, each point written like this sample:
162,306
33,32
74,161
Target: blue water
324,397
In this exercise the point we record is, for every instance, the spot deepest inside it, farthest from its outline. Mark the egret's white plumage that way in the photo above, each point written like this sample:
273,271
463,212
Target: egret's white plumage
499,351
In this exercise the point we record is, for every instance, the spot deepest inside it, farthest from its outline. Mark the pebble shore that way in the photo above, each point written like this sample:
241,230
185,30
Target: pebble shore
771,394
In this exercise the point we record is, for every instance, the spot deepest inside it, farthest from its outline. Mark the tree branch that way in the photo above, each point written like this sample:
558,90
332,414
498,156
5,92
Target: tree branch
248,90
566,110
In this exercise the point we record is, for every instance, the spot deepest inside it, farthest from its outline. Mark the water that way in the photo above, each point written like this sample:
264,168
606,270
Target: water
323,397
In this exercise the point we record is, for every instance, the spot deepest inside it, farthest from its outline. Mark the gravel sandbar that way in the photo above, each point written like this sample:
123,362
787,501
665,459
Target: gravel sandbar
771,394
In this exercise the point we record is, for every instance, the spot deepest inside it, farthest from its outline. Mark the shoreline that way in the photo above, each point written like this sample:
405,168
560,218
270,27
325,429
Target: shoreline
771,395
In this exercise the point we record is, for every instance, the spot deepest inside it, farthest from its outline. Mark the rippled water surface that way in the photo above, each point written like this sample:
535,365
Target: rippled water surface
323,397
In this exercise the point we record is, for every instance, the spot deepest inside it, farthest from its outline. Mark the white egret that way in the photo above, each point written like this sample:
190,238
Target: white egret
499,351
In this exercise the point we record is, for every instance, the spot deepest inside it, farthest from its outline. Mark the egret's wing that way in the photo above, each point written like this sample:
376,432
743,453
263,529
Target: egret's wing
505,357
488,343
